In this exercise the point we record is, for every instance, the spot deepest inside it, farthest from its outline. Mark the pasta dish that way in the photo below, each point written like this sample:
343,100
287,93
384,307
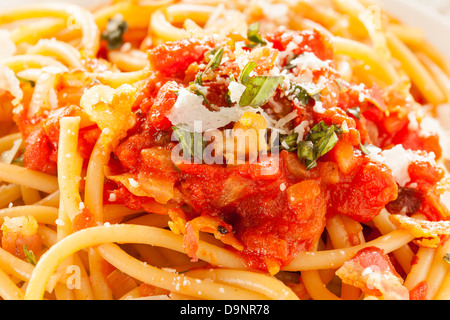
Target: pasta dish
209,149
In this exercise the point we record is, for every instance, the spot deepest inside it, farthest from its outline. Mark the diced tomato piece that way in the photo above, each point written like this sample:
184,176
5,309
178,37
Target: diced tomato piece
40,154
267,168
84,219
163,103
173,58
372,271
362,198
419,292
307,41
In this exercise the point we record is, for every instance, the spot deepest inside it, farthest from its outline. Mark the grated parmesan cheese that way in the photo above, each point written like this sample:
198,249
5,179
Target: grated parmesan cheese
190,113
301,130
318,107
236,91
308,60
133,182
81,205
398,160
112,197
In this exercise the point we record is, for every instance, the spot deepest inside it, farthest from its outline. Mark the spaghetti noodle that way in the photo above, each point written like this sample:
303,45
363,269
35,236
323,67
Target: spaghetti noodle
222,150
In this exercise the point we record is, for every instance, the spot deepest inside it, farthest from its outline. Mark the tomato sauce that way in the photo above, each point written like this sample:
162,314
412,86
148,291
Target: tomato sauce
274,216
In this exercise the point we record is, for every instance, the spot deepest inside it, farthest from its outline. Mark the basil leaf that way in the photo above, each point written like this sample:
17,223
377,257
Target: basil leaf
290,65
199,78
319,141
114,31
192,143
356,112
184,138
245,74
259,90
339,83
29,255
367,148
215,61
364,149
327,142
195,89
304,94
253,35
447,257
31,82
289,143
305,150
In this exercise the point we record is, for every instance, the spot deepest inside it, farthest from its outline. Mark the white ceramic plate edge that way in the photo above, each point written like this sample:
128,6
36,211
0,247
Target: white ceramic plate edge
435,25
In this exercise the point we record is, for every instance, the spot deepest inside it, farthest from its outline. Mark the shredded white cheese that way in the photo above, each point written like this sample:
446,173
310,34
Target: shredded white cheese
318,107
112,197
398,160
189,113
301,130
236,91
308,60
133,182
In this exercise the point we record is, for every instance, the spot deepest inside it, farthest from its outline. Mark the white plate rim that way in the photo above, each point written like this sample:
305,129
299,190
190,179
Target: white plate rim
416,14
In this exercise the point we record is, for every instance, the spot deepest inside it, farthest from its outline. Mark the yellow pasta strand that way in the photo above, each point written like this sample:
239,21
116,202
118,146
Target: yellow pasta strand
8,290
121,234
335,258
82,19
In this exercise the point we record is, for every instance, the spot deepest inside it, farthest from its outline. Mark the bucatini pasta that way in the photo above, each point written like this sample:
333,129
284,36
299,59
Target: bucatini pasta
207,149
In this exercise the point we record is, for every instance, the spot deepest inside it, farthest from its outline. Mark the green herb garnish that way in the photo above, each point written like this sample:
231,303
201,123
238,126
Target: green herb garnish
289,65
195,89
364,149
245,74
289,143
303,93
199,78
29,255
192,143
318,142
305,152
356,112
259,90
30,82
254,36
114,31
447,257
339,83
214,63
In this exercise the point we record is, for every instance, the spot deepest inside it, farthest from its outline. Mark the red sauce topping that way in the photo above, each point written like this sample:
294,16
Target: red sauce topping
273,216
